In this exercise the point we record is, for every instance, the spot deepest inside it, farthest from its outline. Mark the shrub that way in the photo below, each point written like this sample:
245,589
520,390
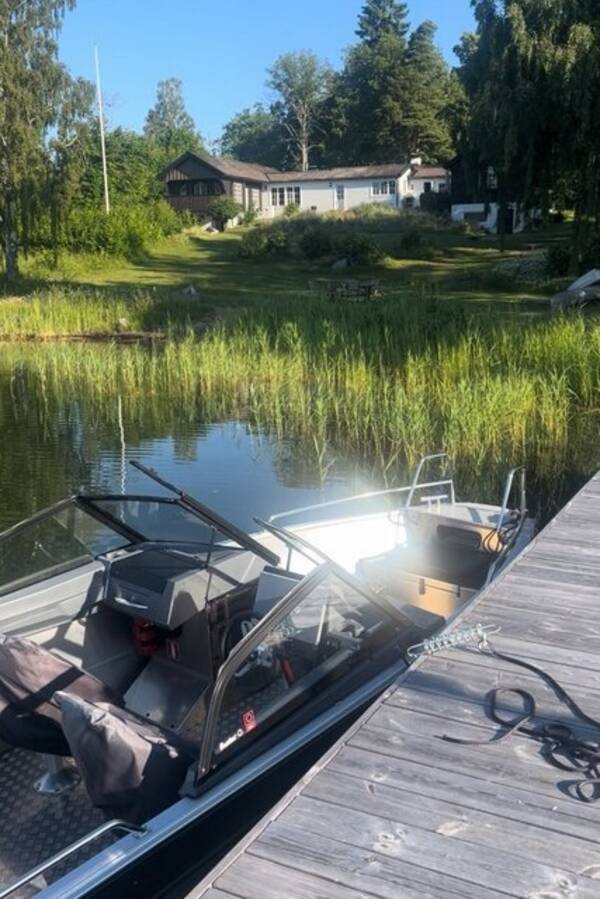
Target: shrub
436,203
249,216
291,210
315,242
222,209
266,240
558,260
254,244
129,230
359,249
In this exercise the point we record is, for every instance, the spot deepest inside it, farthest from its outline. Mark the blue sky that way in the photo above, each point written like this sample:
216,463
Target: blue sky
219,50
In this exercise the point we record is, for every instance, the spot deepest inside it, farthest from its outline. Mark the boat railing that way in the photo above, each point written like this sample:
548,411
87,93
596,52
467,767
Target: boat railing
114,825
344,500
508,488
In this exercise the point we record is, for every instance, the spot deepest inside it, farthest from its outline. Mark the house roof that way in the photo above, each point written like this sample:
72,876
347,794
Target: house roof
230,168
390,170
429,171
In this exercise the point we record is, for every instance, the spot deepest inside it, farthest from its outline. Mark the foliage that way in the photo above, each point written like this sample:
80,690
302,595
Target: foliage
255,135
168,124
315,242
291,210
382,17
128,231
249,216
558,260
359,249
41,112
436,202
264,240
301,81
222,209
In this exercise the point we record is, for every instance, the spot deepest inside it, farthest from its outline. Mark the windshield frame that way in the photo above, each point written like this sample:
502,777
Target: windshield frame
255,637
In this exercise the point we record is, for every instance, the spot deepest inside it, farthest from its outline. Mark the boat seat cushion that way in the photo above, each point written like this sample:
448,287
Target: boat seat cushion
464,566
132,769
29,677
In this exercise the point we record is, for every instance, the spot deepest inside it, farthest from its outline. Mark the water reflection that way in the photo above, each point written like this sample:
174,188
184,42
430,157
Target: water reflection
57,438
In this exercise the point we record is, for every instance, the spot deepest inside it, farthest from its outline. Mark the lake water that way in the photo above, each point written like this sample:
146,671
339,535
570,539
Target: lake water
56,440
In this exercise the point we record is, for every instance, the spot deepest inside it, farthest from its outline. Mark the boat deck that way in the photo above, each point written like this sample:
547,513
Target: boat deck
394,811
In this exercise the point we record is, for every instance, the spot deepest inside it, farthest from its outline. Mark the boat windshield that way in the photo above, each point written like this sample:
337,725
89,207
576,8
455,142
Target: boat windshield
51,542
322,633
158,519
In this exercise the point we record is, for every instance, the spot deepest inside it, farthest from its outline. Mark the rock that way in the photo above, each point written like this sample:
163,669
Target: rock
340,264
190,291
575,299
590,279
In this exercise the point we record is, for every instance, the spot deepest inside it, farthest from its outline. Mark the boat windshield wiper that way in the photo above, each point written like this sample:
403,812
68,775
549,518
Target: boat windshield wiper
210,517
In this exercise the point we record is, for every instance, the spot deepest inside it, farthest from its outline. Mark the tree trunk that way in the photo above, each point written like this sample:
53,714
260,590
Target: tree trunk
501,227
10,243
304,155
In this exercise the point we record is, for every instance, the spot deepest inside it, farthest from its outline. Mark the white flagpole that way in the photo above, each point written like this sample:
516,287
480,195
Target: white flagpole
102,140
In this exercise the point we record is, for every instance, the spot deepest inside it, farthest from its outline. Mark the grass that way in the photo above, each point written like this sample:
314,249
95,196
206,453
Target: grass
94,295
384,385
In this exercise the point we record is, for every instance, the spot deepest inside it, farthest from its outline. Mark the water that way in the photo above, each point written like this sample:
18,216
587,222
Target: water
57,439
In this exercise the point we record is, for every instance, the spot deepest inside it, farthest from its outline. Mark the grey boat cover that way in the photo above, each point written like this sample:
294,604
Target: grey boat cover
131,768
29,677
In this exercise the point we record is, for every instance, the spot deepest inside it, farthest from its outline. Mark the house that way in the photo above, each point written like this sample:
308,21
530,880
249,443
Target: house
192,180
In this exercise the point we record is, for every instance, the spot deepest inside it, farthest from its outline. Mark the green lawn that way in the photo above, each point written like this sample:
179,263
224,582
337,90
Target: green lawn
101,296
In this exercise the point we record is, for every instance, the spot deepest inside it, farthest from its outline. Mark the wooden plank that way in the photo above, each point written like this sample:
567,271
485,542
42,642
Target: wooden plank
556,812
493,869
379,875
451,819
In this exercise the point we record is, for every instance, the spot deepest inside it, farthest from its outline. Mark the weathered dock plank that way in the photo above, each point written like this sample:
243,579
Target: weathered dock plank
394,811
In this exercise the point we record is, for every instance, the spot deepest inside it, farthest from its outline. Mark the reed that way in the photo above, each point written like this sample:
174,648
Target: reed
382,384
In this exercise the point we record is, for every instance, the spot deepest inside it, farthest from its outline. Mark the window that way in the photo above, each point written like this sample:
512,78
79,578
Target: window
282,196
383,188
427,187
183,189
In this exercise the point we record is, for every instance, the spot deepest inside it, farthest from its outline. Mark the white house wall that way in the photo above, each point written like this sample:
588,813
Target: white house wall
321,196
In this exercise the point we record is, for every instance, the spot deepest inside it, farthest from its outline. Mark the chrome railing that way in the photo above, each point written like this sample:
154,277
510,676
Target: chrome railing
70,850
409,489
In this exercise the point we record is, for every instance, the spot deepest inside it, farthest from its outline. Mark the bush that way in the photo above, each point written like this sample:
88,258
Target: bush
249,216
129,230
291,210
558,260
315,242
436,203
222,209
254,244
359,249
266,240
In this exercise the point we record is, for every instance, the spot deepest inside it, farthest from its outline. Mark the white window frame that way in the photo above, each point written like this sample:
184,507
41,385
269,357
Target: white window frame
285,196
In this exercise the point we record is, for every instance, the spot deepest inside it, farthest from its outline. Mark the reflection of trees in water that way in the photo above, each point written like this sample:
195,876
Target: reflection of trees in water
58,413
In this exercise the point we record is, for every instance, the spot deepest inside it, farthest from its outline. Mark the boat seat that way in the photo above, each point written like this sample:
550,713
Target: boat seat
29,677
461,565
132,768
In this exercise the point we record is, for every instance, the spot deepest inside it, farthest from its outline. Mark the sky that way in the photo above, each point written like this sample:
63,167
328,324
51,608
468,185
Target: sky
219,49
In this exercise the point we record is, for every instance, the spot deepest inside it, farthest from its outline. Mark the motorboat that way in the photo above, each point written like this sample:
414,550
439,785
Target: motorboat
156,661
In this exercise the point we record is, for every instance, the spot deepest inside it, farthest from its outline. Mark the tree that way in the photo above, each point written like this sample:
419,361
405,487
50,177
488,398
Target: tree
382,17
426,116
302,82
34,88
168,124
255,135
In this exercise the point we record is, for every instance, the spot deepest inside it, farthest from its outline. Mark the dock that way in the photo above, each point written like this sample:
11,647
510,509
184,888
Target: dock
393,811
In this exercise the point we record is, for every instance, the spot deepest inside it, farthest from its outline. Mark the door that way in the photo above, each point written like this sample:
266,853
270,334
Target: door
340,196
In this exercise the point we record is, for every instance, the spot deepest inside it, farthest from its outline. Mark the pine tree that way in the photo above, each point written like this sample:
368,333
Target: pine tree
430,90
168,124
382,17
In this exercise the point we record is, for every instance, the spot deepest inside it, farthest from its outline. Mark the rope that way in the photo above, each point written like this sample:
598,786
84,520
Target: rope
560,747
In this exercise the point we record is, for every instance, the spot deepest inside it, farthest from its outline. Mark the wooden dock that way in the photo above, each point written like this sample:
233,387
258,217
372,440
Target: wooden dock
394,812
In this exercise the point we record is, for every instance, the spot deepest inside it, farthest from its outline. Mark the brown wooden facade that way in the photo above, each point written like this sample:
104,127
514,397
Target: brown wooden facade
192,181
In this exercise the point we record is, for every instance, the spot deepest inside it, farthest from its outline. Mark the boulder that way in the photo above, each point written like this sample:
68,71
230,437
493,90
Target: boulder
575,299
340,264
190,291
